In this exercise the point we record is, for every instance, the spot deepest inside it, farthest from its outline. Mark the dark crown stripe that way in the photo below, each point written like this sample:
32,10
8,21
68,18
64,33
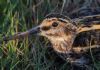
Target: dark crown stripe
57,16
60,17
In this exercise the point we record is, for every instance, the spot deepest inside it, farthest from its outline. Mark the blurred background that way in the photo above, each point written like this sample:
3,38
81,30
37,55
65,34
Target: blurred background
31,53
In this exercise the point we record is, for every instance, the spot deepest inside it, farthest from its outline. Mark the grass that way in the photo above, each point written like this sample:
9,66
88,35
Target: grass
21,15
18,16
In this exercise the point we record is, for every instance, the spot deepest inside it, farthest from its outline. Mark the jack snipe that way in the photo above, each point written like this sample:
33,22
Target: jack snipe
62,33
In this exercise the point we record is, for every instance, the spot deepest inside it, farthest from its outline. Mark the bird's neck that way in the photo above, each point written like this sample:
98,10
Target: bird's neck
63,44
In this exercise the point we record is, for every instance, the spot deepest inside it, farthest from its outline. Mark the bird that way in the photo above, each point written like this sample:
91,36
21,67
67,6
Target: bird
69,40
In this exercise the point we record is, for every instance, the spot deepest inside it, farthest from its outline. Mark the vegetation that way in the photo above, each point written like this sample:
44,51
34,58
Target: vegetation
21,15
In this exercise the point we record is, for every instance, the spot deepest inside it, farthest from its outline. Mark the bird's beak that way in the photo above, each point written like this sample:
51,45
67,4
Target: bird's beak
34,31
19,35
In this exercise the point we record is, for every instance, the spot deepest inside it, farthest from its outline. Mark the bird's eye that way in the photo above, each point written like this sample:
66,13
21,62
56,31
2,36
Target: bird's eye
55,24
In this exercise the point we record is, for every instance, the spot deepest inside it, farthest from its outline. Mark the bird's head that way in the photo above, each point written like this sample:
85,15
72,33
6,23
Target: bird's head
58,29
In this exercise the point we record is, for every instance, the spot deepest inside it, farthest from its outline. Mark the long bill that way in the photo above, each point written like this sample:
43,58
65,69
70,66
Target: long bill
34,30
